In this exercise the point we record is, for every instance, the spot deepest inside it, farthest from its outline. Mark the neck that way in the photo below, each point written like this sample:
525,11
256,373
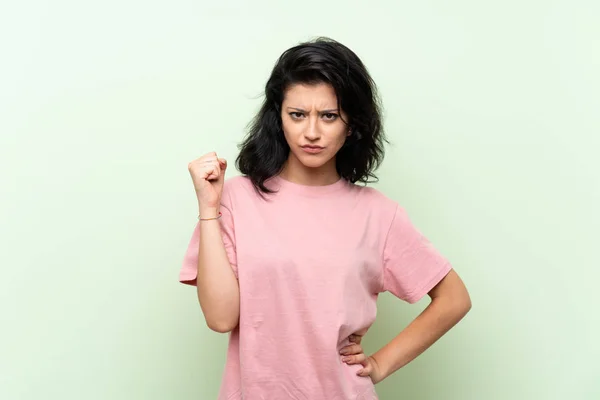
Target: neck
300,174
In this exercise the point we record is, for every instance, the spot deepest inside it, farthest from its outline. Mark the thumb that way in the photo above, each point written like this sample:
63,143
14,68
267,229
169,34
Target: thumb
223,164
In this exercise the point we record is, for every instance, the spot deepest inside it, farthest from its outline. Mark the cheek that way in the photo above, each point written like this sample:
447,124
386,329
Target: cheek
341,136
290,129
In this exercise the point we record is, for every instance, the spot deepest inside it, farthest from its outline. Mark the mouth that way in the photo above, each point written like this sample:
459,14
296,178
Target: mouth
312,149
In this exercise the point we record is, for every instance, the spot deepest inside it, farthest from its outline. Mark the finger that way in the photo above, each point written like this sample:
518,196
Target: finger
213,172
356,338
216,167
209,164
354,359
209,156
351,349
366,371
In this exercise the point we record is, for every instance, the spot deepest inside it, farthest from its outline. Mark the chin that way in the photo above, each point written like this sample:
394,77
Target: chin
313,162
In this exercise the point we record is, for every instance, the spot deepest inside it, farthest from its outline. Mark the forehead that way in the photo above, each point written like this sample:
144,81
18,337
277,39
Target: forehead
319,95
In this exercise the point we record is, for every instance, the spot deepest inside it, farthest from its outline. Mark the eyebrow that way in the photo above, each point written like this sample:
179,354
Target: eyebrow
322,111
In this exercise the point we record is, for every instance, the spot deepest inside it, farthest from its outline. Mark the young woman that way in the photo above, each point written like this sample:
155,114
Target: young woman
290,256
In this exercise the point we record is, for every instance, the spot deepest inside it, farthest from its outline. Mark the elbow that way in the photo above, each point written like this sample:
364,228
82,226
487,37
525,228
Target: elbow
462,304
466,307
452,296
221,326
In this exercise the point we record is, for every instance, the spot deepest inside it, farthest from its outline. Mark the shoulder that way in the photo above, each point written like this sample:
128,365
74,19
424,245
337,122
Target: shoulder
374,197
238,187
236,183
378,207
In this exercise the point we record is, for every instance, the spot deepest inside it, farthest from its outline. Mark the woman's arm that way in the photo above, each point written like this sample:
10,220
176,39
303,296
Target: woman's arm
218,288
450,302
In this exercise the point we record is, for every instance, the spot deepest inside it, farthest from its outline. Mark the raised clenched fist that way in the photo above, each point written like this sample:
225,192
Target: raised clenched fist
208,175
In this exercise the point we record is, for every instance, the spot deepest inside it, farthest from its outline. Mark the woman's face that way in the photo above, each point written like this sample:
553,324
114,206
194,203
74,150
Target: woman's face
312,125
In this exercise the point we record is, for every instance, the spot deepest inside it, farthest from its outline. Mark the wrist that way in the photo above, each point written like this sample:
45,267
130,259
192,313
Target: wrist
379,365
208,212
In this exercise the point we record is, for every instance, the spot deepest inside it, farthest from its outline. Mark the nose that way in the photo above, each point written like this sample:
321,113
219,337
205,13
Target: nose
312,132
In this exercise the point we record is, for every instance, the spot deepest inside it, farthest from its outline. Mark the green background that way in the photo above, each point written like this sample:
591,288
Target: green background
493,112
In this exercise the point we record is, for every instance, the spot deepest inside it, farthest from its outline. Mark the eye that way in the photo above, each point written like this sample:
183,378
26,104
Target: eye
330,116
296,115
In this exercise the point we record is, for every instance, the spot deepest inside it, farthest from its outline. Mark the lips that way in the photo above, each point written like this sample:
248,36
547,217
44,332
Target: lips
312,149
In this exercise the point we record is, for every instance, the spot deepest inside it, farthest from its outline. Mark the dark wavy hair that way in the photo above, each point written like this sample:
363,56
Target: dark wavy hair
264,150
